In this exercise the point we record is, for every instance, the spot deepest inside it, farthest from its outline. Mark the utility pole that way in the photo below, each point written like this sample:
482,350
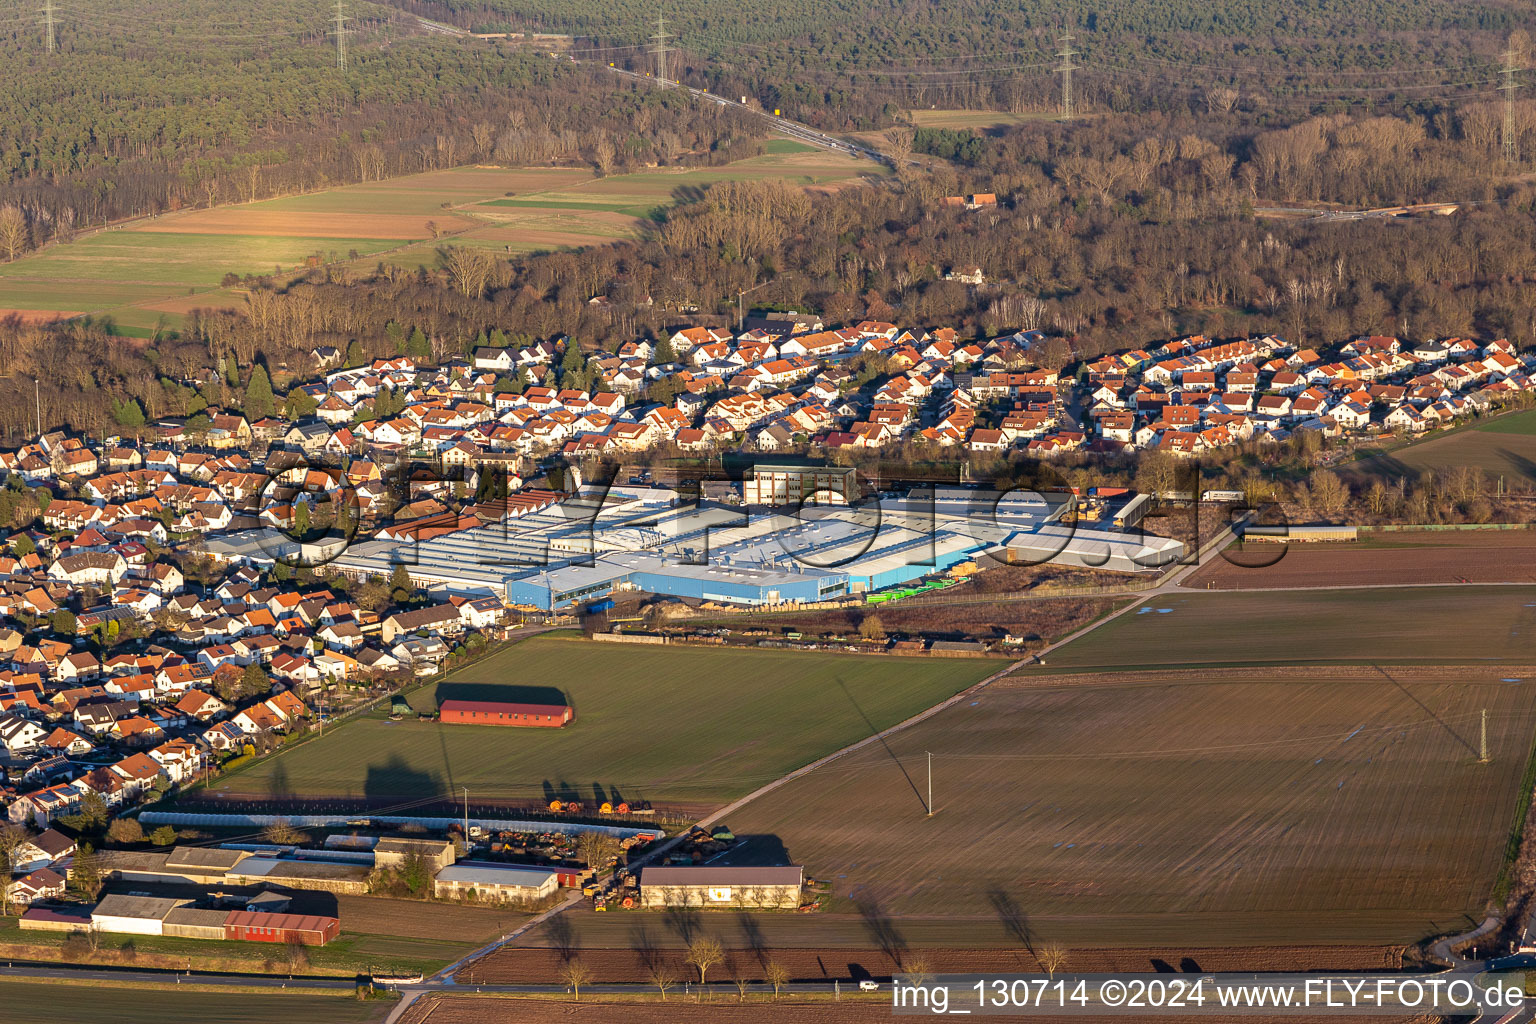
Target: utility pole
340,21
466,819
1066,53
1482,745
37,395
1508,88
741,309
930,783
48,24
660,39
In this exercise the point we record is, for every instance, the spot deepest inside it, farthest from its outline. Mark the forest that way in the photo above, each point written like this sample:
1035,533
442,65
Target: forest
136,114
856,64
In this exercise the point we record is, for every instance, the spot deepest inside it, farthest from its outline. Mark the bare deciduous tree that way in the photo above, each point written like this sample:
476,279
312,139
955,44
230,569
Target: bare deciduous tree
663,978
777,975
704,953
469,268
574,974
1220,100
1053,957
13,231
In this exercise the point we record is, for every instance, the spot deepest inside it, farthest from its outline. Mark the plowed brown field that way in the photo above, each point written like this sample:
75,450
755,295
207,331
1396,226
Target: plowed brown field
1501,556
1228,807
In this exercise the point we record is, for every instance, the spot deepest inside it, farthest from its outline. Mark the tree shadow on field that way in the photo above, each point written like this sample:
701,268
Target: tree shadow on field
395,779
1014,921
752,939
882,930
1526,467
922,801
562,936
644,944
278,787
682,920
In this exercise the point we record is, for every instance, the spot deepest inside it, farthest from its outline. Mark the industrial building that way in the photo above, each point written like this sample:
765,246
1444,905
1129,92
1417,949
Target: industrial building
652,540
504,883
745,887
788,484
487,712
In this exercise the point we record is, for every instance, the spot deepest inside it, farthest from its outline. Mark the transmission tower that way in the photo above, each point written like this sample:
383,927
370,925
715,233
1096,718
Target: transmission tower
660,39
1509,87
340,21
48,24
1066,53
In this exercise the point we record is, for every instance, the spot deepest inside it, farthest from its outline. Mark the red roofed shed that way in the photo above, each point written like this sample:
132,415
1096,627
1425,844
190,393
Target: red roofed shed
256,926
488,712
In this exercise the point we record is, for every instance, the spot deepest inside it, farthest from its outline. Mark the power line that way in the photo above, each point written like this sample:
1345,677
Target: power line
341,37
1066,53
48,24
660,39
1284,72
1509,88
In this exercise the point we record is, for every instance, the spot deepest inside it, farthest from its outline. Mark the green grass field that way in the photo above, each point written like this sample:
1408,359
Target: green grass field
1515,423
69,1004
692,726
1461,625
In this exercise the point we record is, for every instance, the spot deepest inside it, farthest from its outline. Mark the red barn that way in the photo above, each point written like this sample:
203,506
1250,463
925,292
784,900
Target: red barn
256,926
490,712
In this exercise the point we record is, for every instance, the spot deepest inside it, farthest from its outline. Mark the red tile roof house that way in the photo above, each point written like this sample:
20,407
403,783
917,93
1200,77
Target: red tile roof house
485,712
36,885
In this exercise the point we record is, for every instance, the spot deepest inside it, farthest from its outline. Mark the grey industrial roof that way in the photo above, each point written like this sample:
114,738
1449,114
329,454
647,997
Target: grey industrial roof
143,908
480,873
204,859
272,867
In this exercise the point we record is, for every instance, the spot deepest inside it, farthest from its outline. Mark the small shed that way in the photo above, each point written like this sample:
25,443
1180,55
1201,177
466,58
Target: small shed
485,712
310,930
